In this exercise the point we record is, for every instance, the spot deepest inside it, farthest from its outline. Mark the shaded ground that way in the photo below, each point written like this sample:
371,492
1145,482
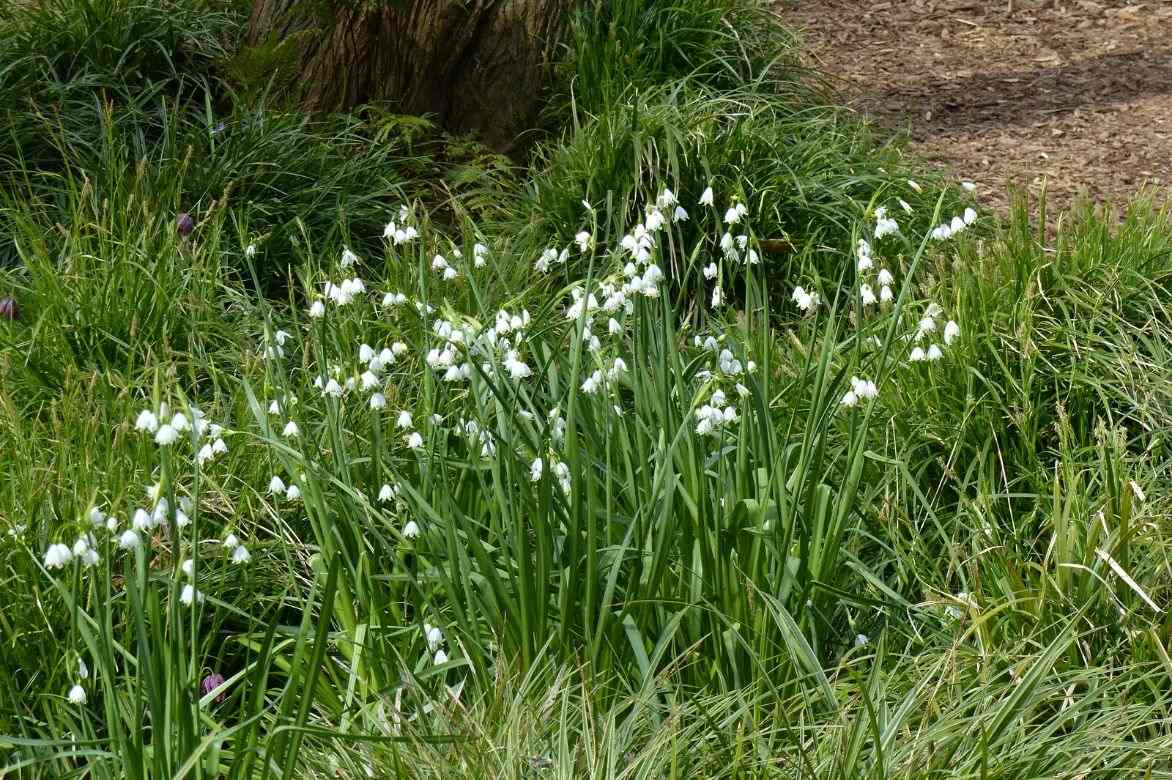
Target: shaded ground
1076,93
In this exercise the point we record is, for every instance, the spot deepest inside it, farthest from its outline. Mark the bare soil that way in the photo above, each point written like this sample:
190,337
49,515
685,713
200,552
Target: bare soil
1072,94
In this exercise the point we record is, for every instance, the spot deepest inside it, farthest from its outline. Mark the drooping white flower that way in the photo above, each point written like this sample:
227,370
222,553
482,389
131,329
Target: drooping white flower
166,435
188,567
535,469
866,261
414,440
378,401
562,472
142,520
76,695
317,309
934,352
592,383
250,250
710,271
849,399
276,484
706,197
332,388
410,530
866,294
885,294
385,494
884,277
240,554
189,595
951,331
517,369
582,239
348,257
129,539
292,493
884,225
864,388
917,355
654,220
404,419
57,555
914,185
970,215
146,421
679,215
231,542
291,431
968,186
440,657
717,296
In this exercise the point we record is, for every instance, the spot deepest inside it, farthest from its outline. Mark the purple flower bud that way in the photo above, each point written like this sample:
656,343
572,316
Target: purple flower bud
210,683
9,309
185,224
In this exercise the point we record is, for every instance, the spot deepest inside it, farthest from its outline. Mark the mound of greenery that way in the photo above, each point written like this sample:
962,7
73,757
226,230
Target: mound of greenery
693,446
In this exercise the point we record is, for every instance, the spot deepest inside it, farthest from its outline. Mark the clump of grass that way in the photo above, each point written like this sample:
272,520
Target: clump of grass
526,485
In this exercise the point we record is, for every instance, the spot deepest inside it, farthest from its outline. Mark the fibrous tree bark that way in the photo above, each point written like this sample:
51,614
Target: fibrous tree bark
477,66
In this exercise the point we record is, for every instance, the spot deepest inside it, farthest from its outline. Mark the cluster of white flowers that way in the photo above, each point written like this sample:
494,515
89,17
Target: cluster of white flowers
440,265
275,347
957,225
925,329
277,487
733,248
172,426
434,637
236,551
861,389
727,370
402,231
83,550
714,415
883,279
806,301
885,225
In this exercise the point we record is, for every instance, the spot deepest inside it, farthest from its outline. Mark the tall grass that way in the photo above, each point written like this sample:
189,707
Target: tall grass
556,564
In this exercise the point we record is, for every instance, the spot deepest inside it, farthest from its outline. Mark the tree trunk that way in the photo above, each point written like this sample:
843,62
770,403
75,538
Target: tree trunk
475,66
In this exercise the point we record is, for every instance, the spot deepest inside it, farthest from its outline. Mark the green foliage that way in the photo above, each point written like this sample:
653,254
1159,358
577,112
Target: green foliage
964,577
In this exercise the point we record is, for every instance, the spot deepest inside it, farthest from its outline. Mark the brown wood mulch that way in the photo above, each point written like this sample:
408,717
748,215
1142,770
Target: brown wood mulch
1076,94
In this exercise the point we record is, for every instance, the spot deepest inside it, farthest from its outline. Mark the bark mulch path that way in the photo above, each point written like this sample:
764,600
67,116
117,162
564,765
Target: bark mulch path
1073,93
